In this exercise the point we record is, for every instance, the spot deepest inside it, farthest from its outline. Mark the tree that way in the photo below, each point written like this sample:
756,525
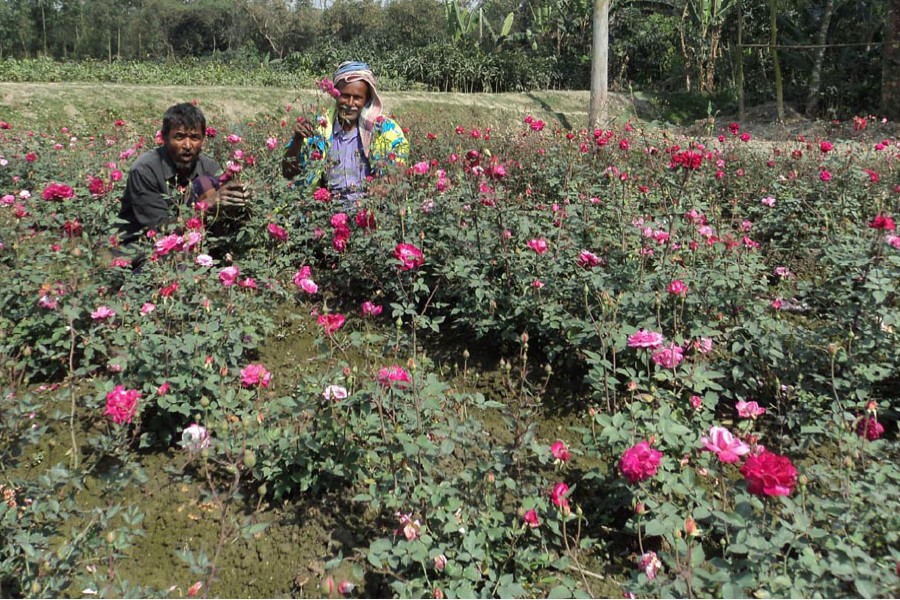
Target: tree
600,65
890,66
815,76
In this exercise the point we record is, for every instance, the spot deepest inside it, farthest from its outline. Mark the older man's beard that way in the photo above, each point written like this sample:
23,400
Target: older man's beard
348,116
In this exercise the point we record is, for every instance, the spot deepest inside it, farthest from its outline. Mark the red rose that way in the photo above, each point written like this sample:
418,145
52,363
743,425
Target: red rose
769,474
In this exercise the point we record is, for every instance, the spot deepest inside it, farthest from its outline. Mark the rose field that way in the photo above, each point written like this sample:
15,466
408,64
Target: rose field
538,361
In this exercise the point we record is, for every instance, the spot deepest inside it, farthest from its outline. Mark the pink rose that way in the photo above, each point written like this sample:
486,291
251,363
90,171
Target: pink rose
255,374
869,428
102,313
195,438
539,245
559,451
228,276
645,339
677,288
331,322
370,310
558,496
322,195
395,374
729,448
58,191
588,260
335,392
668,357
531,518
769,474
650,564
749,410
170,243
121,404
639,462
277,233
409,256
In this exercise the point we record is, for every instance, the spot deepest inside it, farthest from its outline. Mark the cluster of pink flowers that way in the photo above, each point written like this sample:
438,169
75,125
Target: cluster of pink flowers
57,191
340,231
687,159
255,375
677,288
103,313
769,474
868,427
539,245
322,195
669,356
121,404
369,309
327,87
195,438
534,124
640,462
650,564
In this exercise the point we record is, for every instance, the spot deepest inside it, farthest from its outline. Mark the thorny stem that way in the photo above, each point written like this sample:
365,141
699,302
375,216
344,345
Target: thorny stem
75,453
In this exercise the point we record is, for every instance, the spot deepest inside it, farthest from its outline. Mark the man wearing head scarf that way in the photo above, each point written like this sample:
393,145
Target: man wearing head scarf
350,143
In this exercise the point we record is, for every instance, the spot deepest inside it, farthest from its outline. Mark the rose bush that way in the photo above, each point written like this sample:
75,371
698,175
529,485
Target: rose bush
674,277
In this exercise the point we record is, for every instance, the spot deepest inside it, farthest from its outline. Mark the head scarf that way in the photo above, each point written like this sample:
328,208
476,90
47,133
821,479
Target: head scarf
349,72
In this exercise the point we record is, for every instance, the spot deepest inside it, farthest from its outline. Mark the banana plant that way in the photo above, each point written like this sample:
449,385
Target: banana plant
462,23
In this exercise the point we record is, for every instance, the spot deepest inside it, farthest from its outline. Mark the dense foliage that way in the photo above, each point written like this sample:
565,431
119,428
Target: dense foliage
680,46
721,316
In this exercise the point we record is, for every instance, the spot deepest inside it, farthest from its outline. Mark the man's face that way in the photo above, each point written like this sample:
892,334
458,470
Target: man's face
184,145
352,100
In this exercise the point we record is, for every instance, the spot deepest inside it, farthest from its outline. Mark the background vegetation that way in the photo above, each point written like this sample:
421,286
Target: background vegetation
671,46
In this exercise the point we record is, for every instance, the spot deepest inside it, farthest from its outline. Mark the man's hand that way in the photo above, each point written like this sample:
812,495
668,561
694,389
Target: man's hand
304,129
234,193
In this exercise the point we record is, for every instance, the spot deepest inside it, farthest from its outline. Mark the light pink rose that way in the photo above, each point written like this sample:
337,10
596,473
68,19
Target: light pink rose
645,339
749,410
102,313
335,392
729,448
229,275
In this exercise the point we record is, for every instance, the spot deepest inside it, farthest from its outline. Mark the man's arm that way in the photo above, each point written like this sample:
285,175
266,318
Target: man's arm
144,203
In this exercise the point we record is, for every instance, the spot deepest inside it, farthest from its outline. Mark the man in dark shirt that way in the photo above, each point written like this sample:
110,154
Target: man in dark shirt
167,178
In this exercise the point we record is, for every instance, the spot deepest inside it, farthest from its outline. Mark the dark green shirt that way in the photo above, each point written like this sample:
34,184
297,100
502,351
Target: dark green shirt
153,187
